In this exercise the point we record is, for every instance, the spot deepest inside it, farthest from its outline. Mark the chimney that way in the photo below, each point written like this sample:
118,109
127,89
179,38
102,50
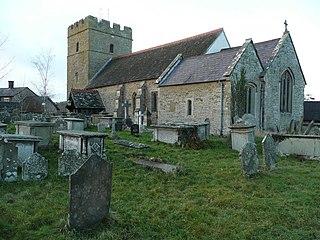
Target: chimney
11,84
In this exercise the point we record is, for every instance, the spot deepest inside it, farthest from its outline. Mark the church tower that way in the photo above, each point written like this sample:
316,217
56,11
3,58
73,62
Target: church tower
91,43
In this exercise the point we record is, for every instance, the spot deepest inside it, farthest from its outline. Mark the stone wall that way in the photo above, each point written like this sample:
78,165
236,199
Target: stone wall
206,103
142,89
285,59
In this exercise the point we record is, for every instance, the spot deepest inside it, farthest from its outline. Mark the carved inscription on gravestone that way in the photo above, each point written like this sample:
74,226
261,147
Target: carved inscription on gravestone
35,168
90,193
8,161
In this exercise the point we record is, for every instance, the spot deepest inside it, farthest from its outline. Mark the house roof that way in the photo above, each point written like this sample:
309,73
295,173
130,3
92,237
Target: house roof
216,66
34,104
89,99
11,92
150,63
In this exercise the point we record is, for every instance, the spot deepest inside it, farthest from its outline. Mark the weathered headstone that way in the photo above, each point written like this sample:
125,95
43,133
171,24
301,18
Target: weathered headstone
126,106
299,125
35,168
113,131
101,127
249,119
140,121
90,193
249,159
128,122
166,168
269,150
135,130
8,161
292,126
69,162
132,144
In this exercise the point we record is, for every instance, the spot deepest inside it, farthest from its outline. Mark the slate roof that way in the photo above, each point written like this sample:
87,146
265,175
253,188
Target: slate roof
213,67
11,92
265,50
205,68
150,63
89,99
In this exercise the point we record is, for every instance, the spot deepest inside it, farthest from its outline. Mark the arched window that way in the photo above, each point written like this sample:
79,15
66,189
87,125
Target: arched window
286,85
77,47
250,99
111,48
154,101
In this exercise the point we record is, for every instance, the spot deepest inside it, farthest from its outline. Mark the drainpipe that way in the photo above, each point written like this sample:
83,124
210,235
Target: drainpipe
221,108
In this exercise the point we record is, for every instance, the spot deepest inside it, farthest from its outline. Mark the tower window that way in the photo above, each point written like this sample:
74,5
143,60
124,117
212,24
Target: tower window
250,99
111,48
77,47
76,76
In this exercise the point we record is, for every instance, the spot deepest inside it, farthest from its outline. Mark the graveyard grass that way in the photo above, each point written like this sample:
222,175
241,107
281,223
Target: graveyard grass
208,199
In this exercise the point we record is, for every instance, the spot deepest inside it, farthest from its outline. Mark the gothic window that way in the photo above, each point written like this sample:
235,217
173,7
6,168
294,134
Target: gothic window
154,101
250,99
286,85
77,47
111,48
189,107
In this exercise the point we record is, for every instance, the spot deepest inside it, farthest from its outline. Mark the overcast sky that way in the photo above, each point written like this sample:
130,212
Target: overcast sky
36,25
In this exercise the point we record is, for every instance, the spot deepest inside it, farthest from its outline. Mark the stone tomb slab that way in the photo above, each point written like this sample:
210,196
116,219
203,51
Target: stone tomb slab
166,168
35,168
132,144
90,193
69,162
269,150
8,162
249,159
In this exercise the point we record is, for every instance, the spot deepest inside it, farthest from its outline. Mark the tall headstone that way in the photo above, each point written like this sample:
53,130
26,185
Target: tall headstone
113,129
269,150
35,168
90,193
126,106
8,161
140,121
249,159
101,127
69,162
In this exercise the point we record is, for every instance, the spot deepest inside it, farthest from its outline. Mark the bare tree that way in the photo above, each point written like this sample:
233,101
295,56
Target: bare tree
43,63
5,68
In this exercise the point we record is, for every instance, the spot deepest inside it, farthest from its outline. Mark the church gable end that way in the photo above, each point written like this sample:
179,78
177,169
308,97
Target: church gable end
285,74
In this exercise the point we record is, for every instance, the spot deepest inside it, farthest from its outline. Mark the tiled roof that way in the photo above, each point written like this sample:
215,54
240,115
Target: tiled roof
34,104
150,63
89,99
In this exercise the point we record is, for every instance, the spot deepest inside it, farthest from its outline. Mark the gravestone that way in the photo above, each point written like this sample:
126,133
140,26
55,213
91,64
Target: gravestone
8,161
269,150
90,193
126,106
292,126
113,130
135,130
101,127
310,126
128,122
140,120
249,159
35,168
132,144
69,162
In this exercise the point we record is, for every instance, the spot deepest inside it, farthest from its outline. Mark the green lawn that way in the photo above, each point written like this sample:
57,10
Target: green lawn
208,199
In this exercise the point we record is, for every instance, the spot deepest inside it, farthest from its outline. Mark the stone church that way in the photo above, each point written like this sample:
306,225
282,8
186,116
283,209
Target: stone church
186,80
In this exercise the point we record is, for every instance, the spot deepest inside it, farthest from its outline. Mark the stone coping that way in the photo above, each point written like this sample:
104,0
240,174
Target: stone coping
34,123
179,125
279,135
235,126
17,137
110,117
77,133
74,119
